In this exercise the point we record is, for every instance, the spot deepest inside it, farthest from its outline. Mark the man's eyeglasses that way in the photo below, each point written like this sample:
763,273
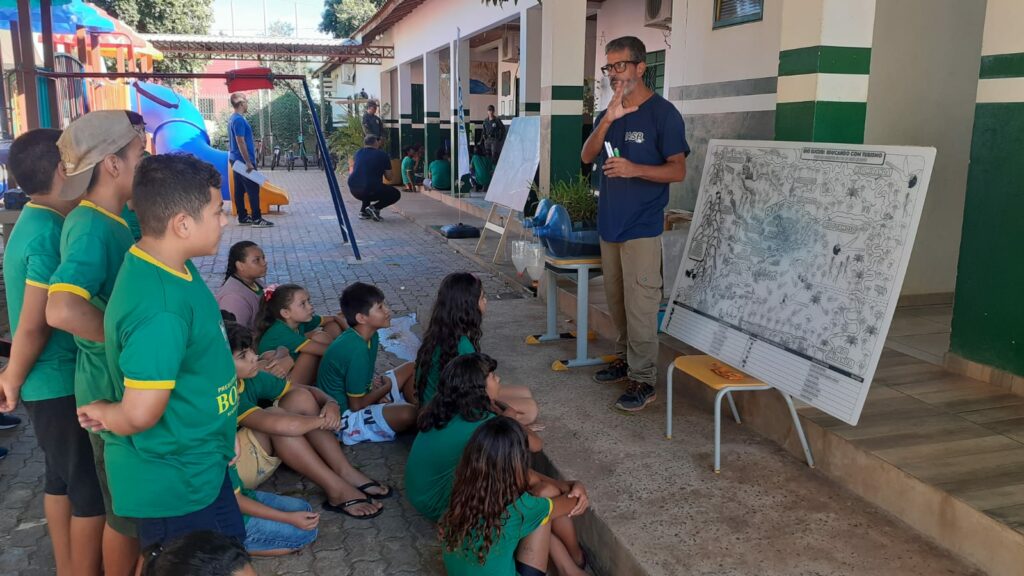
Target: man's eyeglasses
619,67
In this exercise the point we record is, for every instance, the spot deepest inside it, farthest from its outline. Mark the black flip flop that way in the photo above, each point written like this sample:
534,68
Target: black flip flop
343,508
374,484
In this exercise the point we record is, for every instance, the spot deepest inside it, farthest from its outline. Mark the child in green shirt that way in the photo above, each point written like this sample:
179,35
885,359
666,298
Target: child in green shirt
172,422
492,493
464,401
100,151
41,370
373,410
298,430
455,328
289,321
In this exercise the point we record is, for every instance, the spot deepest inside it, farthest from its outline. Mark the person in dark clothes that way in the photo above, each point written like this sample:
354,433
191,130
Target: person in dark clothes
366,182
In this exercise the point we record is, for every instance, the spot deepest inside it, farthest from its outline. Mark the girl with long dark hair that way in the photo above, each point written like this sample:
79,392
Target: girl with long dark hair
464,401
494,525
455,328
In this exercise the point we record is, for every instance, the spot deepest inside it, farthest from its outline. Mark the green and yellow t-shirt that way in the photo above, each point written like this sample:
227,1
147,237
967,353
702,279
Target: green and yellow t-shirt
430,470
523,517
132,220
92,247
279,334
262,386
347,367
236,483
434,376
164,332
30,258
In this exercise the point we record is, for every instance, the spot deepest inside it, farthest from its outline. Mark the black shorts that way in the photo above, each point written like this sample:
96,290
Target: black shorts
70,470
222,516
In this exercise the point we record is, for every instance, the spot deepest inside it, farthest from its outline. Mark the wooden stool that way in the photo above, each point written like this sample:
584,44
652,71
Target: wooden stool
726,380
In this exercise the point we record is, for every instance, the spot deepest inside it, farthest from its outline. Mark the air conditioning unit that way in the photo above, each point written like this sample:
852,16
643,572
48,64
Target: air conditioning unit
658,14
347,74
510,46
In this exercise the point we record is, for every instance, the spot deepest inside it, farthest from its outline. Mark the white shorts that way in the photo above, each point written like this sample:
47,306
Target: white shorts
368,424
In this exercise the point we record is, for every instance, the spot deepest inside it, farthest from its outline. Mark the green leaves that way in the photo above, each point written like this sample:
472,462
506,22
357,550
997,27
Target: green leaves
341,18
165,17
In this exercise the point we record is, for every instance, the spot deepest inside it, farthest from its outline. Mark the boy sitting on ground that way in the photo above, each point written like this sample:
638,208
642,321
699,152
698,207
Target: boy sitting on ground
298,430
173,428
373,410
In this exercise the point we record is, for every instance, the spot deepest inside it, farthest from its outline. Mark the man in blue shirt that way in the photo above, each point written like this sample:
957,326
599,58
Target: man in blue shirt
366,182
242,149
648,139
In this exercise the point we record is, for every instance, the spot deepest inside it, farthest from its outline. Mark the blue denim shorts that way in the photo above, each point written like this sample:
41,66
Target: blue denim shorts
222,515
262,535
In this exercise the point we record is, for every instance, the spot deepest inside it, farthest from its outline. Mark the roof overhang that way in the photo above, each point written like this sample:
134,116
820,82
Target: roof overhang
267,48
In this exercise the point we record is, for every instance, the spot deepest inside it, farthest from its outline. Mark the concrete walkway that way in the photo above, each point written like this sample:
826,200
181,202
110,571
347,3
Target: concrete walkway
657,508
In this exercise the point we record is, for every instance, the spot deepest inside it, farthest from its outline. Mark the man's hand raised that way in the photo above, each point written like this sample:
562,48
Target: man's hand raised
616,109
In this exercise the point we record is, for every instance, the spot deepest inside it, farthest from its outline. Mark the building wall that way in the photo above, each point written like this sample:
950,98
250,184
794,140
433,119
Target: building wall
988,318
919,45
367,77
421,31
617,18
728,83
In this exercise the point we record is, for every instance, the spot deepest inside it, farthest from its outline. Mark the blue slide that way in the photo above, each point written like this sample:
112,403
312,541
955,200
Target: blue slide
177,126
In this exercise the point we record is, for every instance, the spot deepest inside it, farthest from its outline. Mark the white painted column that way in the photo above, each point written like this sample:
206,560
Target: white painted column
529,61
563,39
431,104
405,104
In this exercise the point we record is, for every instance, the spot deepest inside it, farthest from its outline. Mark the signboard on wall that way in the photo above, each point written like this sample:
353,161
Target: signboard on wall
795,260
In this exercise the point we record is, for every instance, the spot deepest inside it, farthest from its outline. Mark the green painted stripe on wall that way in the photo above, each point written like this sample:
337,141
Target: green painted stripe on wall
433,114
394,142
988,320
567,92
566,143
531,107
405,116
1002,66
822,121
825,60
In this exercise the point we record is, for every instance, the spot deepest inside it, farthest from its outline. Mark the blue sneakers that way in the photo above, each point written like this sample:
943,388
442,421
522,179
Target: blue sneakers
7,421
637,396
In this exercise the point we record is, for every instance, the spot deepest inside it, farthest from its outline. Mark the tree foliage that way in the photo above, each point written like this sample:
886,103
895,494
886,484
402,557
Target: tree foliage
341,18
164,17
280,29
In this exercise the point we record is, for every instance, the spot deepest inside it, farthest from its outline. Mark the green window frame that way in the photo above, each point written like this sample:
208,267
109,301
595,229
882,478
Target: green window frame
654,77
733,12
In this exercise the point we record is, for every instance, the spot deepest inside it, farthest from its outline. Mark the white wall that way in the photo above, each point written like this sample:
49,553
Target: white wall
432,24
740,52
925,58
367,77
617,18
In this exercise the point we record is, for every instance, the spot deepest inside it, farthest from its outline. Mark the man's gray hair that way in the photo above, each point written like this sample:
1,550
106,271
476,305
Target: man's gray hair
637,50
237,98
370,140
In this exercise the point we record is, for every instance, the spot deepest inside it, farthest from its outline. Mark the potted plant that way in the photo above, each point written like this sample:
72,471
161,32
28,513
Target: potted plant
571,228
346,139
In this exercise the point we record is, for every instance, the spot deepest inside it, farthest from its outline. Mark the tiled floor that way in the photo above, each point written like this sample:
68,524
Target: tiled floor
922,332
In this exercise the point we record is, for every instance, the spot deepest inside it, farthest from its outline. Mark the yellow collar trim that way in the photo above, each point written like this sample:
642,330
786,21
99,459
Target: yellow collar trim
34,205
145,256
104,211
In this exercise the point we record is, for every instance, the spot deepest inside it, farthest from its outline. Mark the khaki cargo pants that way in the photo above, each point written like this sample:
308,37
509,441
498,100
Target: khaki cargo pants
632,285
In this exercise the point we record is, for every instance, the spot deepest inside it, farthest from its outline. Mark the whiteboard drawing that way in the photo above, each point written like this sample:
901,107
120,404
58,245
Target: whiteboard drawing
795,261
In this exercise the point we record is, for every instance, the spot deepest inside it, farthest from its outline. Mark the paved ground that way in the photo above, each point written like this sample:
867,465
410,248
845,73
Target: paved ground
305,247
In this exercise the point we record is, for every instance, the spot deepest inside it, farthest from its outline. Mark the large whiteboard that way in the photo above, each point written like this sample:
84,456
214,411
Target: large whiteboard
517,165
795,261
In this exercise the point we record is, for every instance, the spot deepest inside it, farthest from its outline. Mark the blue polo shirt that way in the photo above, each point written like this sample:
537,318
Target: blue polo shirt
238,126
369,167
631,208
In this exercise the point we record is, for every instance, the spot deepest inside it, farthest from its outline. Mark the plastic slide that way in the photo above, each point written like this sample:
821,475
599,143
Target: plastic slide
177,126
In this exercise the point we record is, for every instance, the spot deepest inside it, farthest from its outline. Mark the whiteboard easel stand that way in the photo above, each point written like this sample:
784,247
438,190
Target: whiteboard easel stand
500,226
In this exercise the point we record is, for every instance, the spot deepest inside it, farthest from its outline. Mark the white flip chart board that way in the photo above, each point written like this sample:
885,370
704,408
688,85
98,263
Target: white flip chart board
517,165
795,261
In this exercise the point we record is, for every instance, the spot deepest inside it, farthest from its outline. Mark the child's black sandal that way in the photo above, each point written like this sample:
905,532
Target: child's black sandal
343,508
372,484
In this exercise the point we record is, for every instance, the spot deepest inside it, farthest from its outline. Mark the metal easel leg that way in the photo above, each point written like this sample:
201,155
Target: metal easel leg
799,429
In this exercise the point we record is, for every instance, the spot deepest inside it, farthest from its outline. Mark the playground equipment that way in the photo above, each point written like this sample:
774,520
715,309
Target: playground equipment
177,126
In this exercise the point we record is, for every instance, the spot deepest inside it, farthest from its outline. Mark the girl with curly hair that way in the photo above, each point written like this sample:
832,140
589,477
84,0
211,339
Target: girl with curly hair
464,401
495,524
455,329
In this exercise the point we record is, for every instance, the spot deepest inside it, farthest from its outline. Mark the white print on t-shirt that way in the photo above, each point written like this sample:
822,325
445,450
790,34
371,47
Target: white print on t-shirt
637,137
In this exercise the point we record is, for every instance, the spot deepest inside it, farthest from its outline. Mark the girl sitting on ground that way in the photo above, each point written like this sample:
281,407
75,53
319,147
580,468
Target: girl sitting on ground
454,329
275,525
464,401
495,524
289,321
242,293
299,430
